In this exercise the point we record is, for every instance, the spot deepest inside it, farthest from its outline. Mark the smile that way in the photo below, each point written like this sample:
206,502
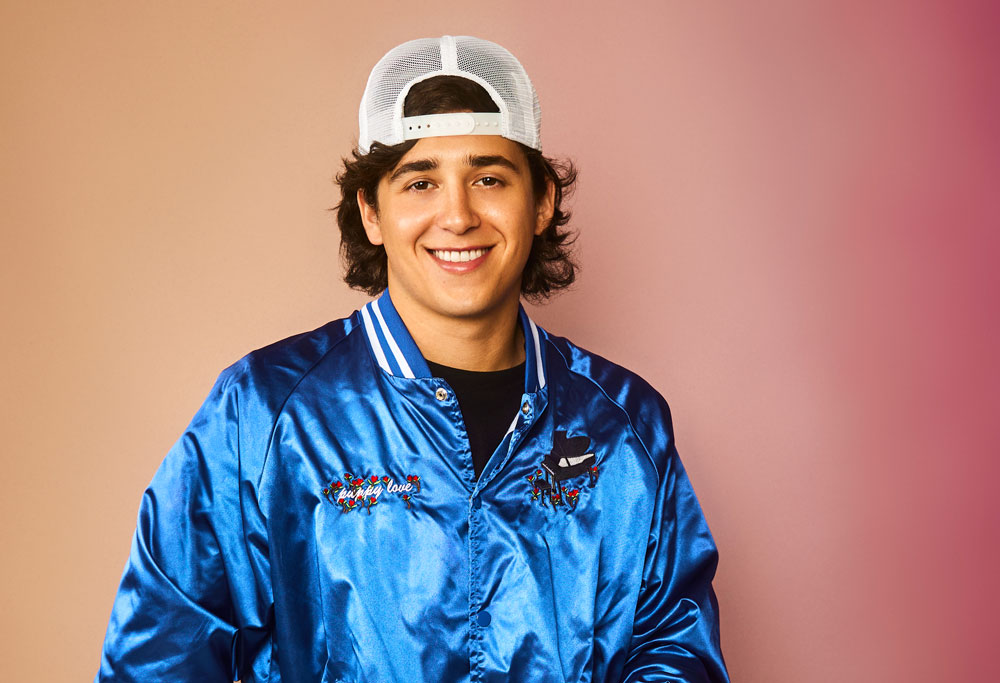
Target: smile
452,256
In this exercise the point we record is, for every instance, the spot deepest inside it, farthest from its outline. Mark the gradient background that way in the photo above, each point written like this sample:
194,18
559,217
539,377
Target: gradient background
789,224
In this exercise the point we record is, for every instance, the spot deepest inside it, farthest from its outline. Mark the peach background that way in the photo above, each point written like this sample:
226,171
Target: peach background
788,219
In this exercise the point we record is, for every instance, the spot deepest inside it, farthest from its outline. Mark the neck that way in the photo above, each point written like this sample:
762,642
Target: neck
481,343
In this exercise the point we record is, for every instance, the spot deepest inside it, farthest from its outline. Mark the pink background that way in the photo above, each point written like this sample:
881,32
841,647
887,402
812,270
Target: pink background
789,224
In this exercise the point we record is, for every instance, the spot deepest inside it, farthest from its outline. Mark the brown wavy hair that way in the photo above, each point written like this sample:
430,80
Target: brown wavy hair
550,265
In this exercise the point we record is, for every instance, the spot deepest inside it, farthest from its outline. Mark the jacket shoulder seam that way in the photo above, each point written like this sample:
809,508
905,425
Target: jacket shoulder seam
625,412
281,407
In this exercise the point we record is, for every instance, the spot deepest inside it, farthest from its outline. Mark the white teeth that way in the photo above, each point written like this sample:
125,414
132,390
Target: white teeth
458,256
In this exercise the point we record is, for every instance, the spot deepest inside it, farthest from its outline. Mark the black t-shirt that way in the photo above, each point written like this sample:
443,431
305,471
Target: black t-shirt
488,400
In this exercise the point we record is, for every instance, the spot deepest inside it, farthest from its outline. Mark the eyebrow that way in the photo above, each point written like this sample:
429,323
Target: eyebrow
475,161
413,167
491,160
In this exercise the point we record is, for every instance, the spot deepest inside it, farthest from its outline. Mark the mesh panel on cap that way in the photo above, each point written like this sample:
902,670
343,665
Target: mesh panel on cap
504,73
489,64
399,67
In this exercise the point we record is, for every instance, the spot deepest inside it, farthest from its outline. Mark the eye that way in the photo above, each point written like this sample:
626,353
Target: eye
490,181
419,185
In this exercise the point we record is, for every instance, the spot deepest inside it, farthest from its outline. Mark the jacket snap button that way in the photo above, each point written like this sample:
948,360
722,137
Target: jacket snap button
484,618
525,408
440,394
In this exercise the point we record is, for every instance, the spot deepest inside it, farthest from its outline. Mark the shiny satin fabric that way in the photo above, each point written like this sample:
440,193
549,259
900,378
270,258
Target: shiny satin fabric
259,556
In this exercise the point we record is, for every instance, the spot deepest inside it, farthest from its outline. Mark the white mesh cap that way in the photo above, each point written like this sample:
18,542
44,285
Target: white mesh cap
380,117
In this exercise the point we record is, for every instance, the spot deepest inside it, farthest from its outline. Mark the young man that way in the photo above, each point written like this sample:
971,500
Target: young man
435,488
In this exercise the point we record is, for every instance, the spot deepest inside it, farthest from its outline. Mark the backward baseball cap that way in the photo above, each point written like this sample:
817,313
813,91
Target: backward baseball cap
380,116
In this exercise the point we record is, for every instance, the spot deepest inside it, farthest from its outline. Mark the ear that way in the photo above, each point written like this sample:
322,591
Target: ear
369,219
545,207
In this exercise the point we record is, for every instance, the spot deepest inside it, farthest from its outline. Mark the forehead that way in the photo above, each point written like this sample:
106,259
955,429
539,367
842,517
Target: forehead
458,149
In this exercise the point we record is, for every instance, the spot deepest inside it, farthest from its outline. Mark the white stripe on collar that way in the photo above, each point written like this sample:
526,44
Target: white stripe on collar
393,346
538,353
397,353
513,424
373,338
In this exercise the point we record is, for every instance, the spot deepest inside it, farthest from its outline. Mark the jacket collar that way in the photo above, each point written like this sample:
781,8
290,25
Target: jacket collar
397,354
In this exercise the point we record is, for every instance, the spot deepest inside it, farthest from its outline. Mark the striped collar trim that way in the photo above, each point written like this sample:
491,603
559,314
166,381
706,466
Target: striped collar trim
397,354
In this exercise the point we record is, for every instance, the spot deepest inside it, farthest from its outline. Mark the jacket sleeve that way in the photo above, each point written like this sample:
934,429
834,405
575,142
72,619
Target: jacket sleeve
175,616
675,635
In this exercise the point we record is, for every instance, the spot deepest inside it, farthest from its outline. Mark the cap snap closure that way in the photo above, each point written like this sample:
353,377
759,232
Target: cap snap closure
441,394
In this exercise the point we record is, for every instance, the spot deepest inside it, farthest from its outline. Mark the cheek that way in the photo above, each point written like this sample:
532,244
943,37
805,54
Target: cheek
518,221
402,231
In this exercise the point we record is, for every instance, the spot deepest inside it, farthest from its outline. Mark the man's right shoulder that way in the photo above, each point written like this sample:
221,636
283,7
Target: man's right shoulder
270,373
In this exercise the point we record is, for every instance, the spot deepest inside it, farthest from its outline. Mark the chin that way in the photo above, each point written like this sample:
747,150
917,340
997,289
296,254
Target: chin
464,309
468,306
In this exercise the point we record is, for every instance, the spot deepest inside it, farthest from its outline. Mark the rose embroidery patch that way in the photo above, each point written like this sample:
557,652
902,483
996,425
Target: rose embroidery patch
568,460
355,493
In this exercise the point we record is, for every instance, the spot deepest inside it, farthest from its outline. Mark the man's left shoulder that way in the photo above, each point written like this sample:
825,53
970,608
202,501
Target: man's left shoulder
575,369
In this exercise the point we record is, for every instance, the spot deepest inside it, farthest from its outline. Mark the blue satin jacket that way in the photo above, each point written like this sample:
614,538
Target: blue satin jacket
320,520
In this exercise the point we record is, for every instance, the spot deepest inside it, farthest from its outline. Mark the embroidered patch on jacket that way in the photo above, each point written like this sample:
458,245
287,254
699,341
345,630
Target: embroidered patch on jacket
568,460
364,492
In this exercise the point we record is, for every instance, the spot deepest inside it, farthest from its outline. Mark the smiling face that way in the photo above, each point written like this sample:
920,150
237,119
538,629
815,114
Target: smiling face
457,216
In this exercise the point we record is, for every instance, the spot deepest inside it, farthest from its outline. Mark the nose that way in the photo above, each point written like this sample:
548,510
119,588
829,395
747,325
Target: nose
456,213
